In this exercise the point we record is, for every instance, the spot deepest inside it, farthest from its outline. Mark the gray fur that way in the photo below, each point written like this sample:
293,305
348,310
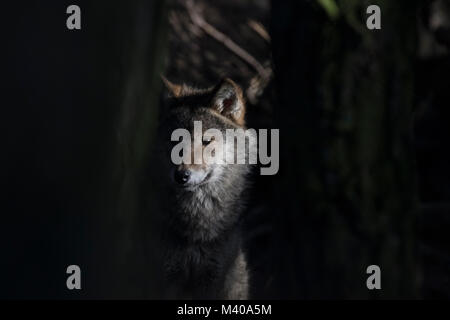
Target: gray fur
204,256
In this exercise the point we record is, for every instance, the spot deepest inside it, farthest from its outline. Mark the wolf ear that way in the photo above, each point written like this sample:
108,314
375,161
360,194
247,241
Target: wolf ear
228,101
175,90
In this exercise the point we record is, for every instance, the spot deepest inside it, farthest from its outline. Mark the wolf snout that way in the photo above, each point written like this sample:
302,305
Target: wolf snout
182,176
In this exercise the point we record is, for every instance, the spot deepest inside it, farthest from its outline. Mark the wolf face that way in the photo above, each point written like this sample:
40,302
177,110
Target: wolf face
215,110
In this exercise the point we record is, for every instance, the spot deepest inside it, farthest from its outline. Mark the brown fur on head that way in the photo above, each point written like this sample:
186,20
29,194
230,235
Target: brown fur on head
226,98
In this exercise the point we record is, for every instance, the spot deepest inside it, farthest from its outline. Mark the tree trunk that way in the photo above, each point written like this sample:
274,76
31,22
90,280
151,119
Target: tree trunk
347,186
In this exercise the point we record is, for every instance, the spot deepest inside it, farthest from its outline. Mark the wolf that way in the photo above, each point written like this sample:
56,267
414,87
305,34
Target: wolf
204,256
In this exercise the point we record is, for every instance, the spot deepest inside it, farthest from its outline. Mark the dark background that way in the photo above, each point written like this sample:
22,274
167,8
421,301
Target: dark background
363,118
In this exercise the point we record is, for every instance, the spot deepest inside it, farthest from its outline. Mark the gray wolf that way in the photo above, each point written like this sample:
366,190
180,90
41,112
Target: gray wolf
203,250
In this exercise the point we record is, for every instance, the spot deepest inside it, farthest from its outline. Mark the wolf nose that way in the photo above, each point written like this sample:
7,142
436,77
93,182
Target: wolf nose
182,176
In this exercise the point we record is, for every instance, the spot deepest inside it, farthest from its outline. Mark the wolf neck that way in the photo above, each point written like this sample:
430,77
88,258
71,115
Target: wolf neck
208,212
205,241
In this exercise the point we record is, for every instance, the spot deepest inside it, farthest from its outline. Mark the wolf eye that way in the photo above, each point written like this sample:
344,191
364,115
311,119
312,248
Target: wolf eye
206,141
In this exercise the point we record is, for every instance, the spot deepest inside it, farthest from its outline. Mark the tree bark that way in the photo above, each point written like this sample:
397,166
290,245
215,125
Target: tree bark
347,186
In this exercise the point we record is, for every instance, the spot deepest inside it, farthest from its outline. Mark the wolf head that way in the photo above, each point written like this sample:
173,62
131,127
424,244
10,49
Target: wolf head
216,109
